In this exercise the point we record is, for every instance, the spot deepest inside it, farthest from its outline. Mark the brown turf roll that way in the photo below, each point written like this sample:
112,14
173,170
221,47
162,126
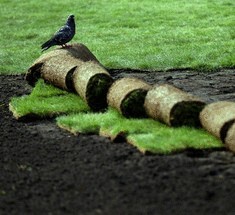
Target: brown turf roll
58,71
173,106
218,118
92,81
127,96
75,50
230,138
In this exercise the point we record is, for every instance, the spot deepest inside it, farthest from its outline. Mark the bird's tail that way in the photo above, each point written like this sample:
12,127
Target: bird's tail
47,45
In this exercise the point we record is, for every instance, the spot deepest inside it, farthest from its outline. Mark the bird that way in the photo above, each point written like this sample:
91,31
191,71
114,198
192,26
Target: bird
63,35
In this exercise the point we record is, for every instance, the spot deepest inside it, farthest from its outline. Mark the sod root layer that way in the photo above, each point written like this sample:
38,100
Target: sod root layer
45,170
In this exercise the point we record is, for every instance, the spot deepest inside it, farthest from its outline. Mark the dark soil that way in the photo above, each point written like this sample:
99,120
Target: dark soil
45,170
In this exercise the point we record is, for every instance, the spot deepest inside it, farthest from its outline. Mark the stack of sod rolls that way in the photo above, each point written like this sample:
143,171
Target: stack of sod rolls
74,68
174,107
56,66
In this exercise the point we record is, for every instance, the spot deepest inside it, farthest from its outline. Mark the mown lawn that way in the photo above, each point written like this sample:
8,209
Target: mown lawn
126,33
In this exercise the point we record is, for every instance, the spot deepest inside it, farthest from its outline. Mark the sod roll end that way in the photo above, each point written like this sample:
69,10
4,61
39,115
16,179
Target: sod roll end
173,106
92,81
127,95
230,138
218,118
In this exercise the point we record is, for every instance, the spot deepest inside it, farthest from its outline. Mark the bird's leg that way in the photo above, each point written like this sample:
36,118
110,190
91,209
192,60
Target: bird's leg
68,45
64,45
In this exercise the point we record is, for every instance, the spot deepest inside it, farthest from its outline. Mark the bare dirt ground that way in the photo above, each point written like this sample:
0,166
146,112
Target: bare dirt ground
44,170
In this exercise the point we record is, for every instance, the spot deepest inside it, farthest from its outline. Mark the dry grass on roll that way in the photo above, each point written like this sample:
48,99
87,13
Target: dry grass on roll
230,138
127,95
219,118
57,66
92,82
173,106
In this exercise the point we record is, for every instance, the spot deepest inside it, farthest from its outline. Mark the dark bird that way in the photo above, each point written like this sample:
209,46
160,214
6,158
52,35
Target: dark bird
63,35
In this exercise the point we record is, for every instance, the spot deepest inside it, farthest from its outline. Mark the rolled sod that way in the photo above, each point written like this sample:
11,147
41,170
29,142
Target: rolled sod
219,118
127,95
57,66
58,71
92,81
173,106
230,138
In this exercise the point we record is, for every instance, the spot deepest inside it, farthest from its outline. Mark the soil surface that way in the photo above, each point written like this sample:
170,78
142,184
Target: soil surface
45,170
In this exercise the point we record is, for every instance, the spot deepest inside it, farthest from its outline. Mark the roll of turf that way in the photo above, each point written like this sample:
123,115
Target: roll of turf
58,71
173,106
92,81
230,138
56,66
219,118
127,95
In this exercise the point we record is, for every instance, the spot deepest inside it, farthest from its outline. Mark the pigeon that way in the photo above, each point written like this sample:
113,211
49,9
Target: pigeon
63,35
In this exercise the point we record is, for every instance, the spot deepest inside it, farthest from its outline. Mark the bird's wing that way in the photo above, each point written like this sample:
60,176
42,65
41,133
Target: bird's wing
62,34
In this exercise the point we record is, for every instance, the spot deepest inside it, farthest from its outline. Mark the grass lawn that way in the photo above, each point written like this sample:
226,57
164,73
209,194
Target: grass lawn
126,33
155,137
47,101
